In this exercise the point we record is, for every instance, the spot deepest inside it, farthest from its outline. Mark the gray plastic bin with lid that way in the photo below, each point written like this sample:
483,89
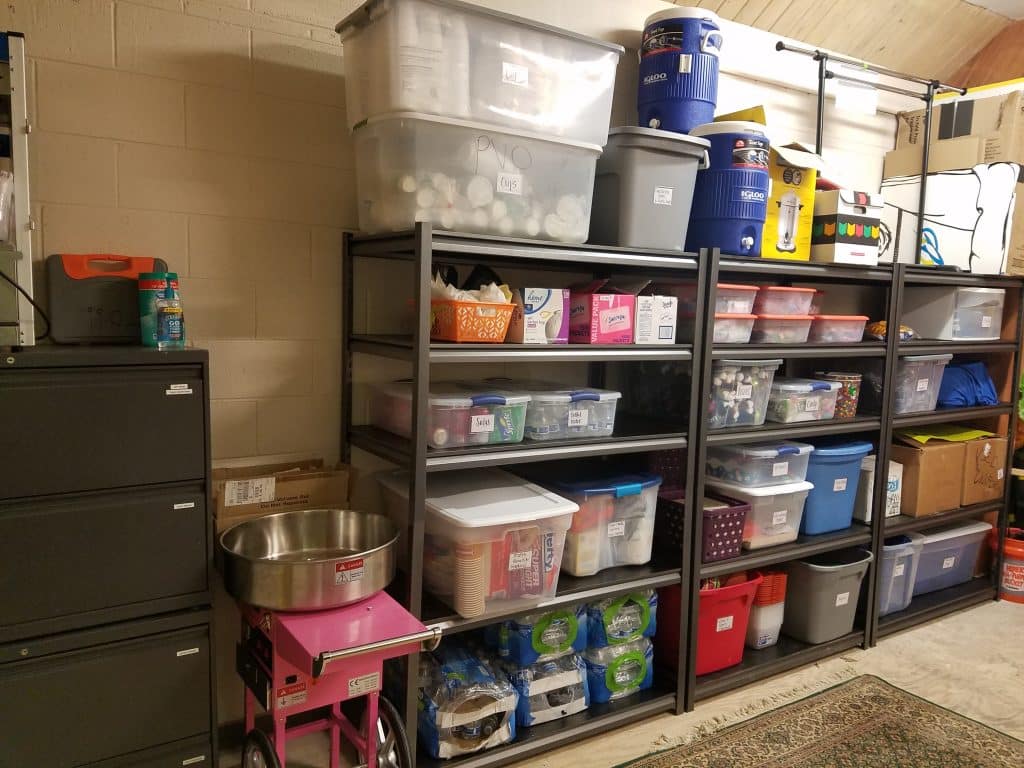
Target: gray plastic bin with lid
644,188
822,594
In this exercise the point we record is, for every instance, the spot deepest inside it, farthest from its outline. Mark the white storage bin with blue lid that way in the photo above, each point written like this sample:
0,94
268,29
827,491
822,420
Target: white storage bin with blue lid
835,472
948,556
759,465
775,511
614,524
557,412
796,400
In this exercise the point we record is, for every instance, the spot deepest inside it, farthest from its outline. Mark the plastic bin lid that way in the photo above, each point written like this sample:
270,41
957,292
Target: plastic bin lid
551,392
856,448
732,489
732,316
787,289
808,318
770,450
484,498
620,485
737,287
840,318
959,530
682,13
803,386
747,363
730,126
670,141
972,289
926,358
455,396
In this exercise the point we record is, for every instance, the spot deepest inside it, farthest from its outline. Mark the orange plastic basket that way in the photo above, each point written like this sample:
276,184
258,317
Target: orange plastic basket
772,589
470,321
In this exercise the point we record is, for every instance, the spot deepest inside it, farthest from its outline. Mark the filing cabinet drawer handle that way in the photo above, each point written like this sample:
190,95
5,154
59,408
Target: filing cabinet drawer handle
194,760
187,652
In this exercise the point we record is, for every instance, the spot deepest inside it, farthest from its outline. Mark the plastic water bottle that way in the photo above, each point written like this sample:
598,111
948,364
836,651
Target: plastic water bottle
170,320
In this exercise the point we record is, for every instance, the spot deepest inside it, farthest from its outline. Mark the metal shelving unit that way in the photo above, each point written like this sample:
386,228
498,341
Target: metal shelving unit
934,605
633,435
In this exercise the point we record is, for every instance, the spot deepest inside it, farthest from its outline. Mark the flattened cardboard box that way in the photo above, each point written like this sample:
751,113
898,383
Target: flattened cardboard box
240,493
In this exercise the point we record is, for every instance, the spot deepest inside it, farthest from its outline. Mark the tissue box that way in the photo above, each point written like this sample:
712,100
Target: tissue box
539,316
601,313
655,321
866,489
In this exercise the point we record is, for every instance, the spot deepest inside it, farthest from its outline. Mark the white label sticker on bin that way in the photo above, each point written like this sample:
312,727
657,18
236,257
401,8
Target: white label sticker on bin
839,484
483,422
780,468
724,624
999,474
780,517
616,528
520,561
948,563
663,195
359,686
898,569
986,321
510,183
578,417
514,74
842,599
812,404
922,385
685,63
744,391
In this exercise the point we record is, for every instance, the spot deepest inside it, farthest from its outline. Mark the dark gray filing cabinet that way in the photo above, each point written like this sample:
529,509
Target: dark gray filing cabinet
106,545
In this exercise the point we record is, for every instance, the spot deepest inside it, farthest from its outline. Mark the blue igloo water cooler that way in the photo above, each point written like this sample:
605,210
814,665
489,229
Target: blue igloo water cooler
678,86
730,198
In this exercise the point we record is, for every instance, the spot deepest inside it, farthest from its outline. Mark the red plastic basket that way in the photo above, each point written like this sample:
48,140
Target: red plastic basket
722,531
722,620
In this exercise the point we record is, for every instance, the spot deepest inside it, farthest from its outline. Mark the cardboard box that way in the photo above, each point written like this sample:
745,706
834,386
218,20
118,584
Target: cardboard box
846,227
948,155
984,470
655,321
933,476
240,493
602,312
866,490
539,316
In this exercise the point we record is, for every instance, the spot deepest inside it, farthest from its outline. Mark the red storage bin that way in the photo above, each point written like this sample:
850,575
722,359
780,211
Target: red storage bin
722,624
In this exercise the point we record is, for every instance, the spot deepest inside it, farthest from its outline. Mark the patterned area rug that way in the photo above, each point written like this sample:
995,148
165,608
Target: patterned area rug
863,723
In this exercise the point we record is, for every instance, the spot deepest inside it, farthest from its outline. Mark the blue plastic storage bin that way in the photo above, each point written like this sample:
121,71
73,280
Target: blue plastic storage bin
898,571
948,556
835,471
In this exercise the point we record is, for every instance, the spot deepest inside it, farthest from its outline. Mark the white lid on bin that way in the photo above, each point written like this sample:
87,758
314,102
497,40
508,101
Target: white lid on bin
456,397
769,450
655,138
742,491
548,392
484,498
804,386
747,363
927,358
730,126
682,13
955,532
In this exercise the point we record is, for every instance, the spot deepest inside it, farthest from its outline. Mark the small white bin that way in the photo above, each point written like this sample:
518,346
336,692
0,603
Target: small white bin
795,400
472,177
781,329
957,313
775,512
917,382
739,392
460,60
783,300
837,329
492,540
764,464
764,625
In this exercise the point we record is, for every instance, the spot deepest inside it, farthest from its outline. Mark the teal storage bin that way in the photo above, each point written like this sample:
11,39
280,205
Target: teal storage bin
834,470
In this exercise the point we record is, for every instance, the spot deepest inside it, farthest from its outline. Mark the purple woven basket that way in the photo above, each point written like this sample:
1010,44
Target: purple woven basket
671,465
722,531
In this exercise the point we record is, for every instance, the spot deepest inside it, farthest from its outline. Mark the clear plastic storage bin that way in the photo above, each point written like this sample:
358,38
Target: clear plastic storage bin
492,540
728,328
456,417
471,177
775,511
460,60
948,556
556,412
755,466
614,524
958,313
783,300
837,329
897,572
917,382
794,400
730,299
781,329
739,392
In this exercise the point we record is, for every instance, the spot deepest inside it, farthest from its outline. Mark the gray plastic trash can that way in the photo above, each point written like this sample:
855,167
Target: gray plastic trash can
644,188
822,594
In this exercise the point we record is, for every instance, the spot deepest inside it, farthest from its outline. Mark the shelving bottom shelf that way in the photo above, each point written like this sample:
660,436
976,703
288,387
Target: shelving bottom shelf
785,655
542,738
937,604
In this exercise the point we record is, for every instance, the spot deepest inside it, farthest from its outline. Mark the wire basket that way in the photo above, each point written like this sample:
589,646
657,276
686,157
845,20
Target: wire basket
469,321
722,532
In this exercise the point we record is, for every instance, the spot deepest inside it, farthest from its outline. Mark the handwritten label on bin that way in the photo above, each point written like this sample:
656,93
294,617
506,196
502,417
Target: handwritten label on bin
515,74
616,528
842,599
780,517
898,570
948,563
922,385
780,468
839,484
812,404
520,561
579,417
663,195
510,183
483,422
724,624
744,391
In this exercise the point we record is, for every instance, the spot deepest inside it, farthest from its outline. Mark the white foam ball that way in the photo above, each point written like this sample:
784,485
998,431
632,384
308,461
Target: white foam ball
532,227
426,197
499,210
480,191
480,219
505,225
407,183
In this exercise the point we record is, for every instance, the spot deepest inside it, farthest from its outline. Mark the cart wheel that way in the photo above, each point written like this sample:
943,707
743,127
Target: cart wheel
258,752
392,743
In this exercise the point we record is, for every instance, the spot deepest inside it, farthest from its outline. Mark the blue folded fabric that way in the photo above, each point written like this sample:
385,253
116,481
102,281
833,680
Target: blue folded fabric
965,385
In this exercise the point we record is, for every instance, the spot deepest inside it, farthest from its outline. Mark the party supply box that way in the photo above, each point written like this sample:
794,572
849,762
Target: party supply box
846,227
539,316
602,312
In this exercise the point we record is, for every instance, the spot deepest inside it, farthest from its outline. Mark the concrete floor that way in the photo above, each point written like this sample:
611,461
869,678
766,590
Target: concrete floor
971,662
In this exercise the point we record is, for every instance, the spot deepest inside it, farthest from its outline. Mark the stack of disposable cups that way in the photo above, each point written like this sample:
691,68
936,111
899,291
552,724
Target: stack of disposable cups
470,580
767,612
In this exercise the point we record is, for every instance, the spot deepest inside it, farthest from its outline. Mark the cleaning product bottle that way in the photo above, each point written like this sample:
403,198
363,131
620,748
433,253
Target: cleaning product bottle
170,319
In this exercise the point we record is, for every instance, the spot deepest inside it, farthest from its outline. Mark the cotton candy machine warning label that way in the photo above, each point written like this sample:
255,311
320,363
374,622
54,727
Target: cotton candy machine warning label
349,571
290,695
